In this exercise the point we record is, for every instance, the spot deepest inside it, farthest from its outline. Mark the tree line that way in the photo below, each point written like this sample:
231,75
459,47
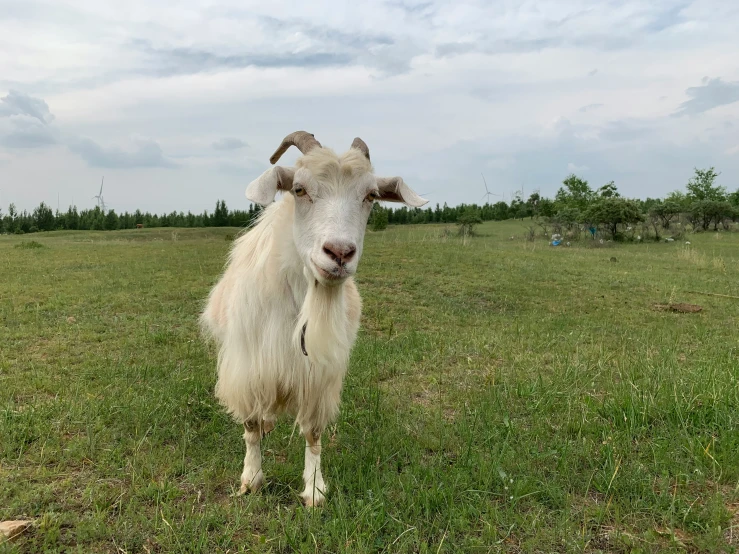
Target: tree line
43,218
703,203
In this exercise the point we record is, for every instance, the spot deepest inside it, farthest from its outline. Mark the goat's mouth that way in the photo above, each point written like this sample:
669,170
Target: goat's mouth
335,275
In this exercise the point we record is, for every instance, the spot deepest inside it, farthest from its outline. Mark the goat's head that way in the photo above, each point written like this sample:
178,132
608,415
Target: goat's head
333,196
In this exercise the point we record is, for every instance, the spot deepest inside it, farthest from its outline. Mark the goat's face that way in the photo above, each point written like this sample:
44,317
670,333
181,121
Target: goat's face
331,213
333,196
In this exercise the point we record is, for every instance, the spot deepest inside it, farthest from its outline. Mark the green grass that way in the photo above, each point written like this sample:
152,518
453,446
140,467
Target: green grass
503,396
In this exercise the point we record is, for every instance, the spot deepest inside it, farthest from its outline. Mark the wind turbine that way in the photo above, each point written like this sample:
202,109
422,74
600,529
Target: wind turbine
99,196
487,194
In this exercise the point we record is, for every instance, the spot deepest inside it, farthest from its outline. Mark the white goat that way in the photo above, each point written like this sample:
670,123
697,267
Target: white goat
286,311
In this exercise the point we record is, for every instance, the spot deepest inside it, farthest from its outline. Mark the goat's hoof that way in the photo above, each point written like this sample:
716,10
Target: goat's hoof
253,484
313,499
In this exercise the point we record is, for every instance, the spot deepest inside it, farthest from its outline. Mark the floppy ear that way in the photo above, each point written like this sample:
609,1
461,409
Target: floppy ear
262,190
394,189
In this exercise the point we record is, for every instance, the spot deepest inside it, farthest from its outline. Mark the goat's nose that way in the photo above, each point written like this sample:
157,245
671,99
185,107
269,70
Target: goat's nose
340,252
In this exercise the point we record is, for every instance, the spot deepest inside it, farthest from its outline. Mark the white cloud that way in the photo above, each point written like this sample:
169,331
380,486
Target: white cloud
229,143
440,90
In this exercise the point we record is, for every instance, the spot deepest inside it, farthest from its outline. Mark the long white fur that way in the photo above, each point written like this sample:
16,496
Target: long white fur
270,289
257,311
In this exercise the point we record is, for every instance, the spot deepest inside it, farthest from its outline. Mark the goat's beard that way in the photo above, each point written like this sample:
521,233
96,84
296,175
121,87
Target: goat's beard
323,314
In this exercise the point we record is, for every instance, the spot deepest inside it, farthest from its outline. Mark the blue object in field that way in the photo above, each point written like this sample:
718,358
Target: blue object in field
592,231
556,242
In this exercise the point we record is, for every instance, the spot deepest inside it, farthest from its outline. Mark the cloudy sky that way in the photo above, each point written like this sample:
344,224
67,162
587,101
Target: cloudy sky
178,104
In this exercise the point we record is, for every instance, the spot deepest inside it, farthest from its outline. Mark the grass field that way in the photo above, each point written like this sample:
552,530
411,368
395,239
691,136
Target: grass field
503,396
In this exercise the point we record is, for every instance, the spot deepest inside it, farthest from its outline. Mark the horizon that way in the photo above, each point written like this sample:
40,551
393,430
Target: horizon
246,208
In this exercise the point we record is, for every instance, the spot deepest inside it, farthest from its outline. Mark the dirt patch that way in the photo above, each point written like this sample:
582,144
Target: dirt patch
430,399
679,308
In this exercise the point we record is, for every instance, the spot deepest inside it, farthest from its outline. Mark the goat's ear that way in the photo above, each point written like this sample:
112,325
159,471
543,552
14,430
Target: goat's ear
394,189
263,189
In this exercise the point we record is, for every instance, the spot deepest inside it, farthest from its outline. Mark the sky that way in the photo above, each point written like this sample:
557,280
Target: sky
179,104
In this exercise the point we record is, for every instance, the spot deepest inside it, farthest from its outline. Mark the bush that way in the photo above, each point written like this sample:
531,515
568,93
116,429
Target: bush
665,212
703,213
613,212
565,218
467,222
29,245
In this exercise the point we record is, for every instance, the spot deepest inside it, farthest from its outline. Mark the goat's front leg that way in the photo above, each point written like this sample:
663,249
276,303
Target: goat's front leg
315,488
252,477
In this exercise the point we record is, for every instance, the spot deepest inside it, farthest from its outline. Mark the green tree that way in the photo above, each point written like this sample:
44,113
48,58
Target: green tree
664,212
111,221
500,211
95,219
679,198
568,217
703,213
519,209
576,193
612,212
72,219
467,221
534,203
546,207
43,218
702,186
648,204
608,190
378,218
220,216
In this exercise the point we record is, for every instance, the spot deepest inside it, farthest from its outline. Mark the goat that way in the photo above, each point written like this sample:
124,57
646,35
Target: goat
286,311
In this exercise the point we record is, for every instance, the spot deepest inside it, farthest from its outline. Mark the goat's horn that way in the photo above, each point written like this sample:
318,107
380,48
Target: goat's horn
303,140
359,144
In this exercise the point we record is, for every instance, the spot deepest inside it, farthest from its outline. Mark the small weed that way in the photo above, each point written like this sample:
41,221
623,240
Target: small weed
719,264
29,245
691,255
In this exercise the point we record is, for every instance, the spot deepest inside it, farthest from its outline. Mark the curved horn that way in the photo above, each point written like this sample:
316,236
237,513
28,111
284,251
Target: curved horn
359,144
303,140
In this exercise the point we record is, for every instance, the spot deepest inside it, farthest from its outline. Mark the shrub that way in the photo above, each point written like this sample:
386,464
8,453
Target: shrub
613,212
705,212
29,245
467,221
665,212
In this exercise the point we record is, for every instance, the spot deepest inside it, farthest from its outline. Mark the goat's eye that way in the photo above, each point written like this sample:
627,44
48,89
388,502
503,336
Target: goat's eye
374,195
299,191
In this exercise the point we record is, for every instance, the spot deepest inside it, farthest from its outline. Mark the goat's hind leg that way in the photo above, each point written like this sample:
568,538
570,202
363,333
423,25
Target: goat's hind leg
252,478
315,488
